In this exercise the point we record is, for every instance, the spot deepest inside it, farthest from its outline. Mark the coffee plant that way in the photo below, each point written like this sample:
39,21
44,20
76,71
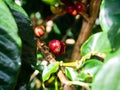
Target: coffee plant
59,45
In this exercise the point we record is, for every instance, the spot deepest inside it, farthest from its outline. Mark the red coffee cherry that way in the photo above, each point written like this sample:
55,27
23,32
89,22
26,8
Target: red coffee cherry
57,47
63,47
79,6
39,31
71,9
54,46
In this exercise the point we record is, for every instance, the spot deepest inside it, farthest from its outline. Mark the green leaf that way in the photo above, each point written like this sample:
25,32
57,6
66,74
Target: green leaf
10,47
39,55
92,66
14,6
109,76
112,54
110,22
51,68
39,66
50,2
71,73
83,76
56,29
114,37
27,35
96,43
89,69
29,45
109,14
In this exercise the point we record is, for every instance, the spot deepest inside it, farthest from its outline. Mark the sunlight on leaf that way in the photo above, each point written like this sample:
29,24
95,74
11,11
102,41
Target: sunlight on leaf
109,76
51,68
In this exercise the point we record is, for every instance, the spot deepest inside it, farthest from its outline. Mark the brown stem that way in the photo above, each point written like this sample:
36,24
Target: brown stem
53,18
84,34
85,16
86,28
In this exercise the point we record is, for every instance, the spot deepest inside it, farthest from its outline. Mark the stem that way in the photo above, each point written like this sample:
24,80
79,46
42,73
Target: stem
85,85
52,18
64,80
84,34
56,84
36,72
71,64
86,29
85,16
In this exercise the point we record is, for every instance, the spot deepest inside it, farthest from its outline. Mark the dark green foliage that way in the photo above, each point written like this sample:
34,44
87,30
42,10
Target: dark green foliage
10,49
12,54
28,47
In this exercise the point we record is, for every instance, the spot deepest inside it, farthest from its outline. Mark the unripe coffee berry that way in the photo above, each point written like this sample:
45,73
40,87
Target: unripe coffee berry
57,10
39,31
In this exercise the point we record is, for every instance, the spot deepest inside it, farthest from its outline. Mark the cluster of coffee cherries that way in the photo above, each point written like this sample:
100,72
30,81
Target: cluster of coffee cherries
72,7
56,47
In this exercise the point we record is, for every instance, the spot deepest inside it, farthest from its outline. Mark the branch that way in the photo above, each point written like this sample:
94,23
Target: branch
86,29
69,83
84,15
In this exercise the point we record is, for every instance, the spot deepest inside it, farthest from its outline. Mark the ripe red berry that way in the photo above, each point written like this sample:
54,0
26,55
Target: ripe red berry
54,46
57,47
63,46
71,9
79,6
39,31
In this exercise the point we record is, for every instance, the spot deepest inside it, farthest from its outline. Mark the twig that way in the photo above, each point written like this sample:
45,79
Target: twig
53,18
85,85
36,72
67,82
86,28
84,15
